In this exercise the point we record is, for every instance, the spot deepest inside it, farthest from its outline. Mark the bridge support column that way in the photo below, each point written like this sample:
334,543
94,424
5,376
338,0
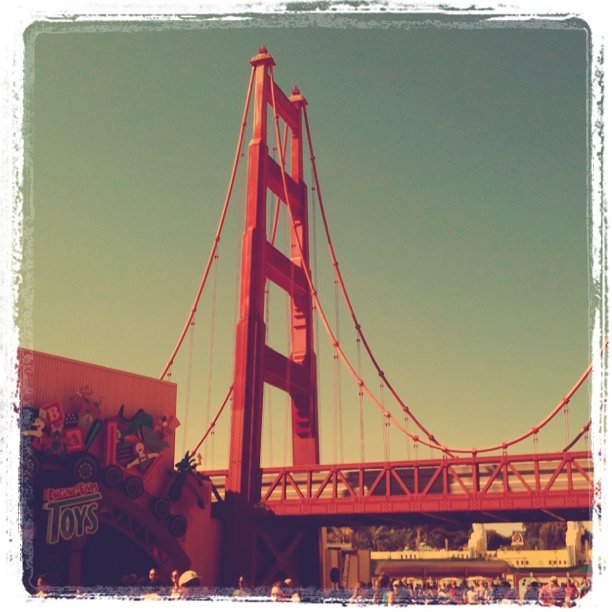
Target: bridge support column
288,549
264,548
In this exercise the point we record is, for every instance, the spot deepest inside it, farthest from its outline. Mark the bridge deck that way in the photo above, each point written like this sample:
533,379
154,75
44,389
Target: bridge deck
552,486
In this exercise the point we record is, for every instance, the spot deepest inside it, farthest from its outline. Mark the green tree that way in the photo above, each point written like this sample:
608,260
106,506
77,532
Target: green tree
337,535
363,538
587,536
531,536
394,538
545,536
382,537
496,540
552,536
436,536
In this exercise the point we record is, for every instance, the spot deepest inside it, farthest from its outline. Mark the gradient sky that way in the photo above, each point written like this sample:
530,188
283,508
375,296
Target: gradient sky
453,161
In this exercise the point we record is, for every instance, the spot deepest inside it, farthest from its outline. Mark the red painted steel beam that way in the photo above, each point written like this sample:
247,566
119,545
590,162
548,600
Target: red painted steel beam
557,483
498,503
284,273
285,108
284,374
275,182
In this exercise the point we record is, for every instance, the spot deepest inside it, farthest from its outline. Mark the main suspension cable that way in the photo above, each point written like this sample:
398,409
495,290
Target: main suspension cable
213,422
338,433
431,442
217,238
360,396
583,432
317,302
189,379
211,348
375,363
342,285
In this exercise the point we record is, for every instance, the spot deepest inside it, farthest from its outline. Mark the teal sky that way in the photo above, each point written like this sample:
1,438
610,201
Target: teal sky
453,163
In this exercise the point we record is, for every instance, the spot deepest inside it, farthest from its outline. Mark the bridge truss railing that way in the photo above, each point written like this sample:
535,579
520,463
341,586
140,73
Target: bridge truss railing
552,480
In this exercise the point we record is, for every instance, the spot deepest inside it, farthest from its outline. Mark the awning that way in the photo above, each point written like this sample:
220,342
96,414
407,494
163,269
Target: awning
436,568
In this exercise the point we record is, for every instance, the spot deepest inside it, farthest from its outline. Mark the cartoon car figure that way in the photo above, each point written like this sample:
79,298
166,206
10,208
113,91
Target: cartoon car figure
131,452
59,442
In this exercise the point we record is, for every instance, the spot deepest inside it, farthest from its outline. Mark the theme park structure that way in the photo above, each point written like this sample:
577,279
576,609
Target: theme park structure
98,444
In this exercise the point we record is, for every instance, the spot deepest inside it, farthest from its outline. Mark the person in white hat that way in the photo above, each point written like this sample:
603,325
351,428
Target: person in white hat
189,582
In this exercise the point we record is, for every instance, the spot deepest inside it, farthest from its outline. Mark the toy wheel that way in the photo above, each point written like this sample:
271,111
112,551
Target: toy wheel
161,508
177,525
112,476
134,487
85,469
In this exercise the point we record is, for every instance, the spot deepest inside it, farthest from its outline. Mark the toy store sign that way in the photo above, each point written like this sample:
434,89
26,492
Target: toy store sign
73,511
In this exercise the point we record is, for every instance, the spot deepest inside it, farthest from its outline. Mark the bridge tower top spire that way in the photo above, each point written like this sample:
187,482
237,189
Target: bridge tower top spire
263,57
297,98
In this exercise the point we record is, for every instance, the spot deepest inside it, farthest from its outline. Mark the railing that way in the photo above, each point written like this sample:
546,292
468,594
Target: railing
507,482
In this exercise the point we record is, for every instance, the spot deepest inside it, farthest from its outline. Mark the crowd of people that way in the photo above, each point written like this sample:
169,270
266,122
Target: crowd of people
404,591
382,590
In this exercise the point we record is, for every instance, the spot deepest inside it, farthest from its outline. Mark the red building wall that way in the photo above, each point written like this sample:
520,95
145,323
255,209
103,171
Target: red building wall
45,378
56,394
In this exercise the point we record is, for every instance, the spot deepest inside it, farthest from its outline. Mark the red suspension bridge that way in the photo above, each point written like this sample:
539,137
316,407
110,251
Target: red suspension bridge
492,483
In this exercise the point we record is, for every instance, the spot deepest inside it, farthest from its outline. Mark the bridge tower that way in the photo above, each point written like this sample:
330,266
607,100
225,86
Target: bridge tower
255,362
261,547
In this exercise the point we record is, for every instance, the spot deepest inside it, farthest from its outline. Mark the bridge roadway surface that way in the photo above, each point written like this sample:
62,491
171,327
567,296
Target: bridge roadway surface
503,488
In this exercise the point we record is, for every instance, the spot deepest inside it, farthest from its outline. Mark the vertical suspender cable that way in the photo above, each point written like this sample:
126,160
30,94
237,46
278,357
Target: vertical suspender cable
212,447
238,270
239,233
211,351
338,380
211,427
188,390
286,413
286,244
315,320
360,393
278,200
267,395
566,424
289,311
407,424
385,424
